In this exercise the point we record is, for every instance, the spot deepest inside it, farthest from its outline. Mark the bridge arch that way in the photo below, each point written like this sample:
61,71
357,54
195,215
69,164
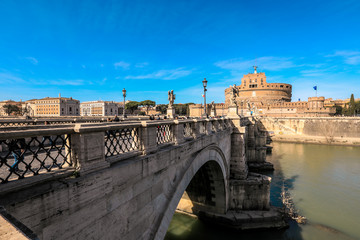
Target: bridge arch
211,163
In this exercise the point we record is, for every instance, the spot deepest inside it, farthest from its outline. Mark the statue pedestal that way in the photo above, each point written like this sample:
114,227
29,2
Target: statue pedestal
233,111
170,112
212,113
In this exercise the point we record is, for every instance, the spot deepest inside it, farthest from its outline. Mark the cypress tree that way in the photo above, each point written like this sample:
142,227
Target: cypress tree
352,105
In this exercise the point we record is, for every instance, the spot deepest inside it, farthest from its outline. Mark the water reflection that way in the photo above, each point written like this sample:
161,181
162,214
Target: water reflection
324,184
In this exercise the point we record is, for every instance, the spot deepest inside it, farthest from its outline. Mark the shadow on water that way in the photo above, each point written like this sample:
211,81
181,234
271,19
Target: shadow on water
280,188
186,227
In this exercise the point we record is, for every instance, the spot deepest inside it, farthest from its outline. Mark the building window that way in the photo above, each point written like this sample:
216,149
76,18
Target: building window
281,85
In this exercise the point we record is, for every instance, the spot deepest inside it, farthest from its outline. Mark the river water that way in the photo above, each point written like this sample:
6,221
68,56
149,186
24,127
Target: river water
324,184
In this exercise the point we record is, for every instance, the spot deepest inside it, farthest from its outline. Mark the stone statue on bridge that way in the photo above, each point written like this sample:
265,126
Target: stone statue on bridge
234,91
213,111
171,110
171,98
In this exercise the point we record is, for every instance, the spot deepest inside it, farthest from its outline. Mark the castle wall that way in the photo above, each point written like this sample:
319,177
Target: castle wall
334,130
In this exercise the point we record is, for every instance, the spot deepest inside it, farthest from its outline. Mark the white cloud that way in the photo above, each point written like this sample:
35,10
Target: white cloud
163,74
76,82
344,53
354,60
350,57
265,63
313,72
122,64
32,60
9,78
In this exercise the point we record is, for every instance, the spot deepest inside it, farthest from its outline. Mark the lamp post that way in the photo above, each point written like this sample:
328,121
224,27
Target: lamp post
205,84
124,95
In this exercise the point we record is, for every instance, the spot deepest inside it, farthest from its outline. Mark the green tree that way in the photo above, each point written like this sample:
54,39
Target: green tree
132,106
345,111
10,108
352,105
161,108
147,104
339,110
182,109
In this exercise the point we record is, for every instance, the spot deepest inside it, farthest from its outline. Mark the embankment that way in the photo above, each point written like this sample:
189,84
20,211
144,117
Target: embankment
319,130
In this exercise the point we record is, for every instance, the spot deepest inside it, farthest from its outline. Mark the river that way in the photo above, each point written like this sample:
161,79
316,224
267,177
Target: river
324,184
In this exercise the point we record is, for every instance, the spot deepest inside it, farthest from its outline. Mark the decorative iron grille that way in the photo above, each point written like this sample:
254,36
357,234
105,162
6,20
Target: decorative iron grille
14,124
221,125
202,129
188,132
163,134
22,157
213,127
121,141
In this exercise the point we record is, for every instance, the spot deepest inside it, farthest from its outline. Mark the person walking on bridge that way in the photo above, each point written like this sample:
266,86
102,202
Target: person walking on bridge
17,147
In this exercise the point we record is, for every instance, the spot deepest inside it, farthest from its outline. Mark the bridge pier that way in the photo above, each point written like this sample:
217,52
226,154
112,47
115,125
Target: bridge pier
249,193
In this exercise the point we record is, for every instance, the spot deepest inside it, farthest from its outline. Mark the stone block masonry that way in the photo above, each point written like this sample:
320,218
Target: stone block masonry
131,188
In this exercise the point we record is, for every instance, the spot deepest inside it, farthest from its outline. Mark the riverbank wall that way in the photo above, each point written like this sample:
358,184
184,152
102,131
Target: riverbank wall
319,130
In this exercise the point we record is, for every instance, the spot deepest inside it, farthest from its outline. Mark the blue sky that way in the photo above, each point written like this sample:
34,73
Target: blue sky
91,50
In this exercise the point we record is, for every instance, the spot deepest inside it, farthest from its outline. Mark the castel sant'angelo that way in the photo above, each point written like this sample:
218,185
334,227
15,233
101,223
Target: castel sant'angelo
256,96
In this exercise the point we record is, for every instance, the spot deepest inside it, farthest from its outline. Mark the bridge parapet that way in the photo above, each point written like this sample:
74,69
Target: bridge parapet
32,154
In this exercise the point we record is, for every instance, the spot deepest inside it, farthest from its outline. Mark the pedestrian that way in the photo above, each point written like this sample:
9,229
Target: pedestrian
17,148
116,119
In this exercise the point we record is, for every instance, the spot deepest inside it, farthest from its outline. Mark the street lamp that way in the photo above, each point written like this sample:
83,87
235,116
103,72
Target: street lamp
124,95
205,84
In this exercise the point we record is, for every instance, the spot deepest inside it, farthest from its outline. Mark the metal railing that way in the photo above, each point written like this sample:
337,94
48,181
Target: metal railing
50,121
33,150
22,157
121,141
202,128
164,134
187,130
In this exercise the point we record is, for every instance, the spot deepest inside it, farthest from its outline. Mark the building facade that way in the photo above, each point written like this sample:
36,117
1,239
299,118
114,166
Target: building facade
99,108
60,106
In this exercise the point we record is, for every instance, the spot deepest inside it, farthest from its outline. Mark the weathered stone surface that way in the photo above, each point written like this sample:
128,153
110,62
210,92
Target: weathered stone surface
135,198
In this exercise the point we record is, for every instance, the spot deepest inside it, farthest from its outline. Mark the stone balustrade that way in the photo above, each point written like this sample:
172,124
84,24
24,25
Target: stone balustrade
47,151
38,121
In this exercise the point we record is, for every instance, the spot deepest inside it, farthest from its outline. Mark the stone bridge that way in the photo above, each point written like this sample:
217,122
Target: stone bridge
125,181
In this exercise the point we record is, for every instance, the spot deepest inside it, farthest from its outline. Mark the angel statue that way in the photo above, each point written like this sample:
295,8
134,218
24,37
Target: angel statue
233,92
171,98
